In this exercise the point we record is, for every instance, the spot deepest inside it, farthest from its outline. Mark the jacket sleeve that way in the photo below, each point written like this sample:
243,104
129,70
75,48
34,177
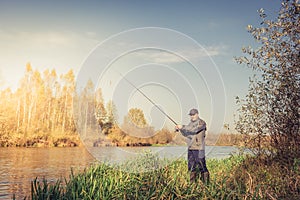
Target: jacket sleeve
192,128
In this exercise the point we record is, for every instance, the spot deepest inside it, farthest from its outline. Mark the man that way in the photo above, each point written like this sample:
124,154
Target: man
195,134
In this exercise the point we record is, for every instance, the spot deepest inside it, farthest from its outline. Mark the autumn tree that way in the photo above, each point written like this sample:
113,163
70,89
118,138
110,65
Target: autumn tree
68,91
51,90
100,111
111,116
111,112
86,110
135,125
7,114
136,116
270,112
25,98
41,106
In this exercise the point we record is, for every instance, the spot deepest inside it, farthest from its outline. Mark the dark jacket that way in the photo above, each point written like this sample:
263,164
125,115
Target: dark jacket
195,134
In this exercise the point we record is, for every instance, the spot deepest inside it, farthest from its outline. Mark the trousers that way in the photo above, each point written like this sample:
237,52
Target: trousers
195,163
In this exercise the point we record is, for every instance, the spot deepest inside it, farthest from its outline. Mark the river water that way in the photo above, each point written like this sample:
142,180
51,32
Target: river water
19,166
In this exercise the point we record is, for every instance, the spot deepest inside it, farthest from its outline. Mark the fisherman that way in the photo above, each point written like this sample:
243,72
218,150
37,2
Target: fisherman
195,134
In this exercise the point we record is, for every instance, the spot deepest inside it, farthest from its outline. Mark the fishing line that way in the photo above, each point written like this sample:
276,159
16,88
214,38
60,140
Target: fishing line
163,112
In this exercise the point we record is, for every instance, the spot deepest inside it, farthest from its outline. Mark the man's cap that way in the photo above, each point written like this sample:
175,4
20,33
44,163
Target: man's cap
193,111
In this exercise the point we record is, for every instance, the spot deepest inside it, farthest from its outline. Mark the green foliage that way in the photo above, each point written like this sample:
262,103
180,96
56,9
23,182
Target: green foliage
45,190
237,177
102,181
270,112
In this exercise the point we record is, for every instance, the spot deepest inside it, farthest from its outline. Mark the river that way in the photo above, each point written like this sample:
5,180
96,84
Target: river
19,166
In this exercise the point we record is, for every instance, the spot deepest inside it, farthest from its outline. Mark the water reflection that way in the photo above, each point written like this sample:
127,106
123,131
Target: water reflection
19,166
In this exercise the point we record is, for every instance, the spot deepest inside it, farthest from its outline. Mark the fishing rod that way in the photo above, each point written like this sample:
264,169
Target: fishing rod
163,112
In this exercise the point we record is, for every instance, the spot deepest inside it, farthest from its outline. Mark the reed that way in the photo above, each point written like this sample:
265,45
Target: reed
158,180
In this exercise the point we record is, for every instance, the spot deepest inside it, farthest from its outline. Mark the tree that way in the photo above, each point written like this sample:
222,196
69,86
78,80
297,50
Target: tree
100,112
86,111
68,92
108,122
25,90
37,101
270,111
7,114
136,116
136,125
111,112
50,80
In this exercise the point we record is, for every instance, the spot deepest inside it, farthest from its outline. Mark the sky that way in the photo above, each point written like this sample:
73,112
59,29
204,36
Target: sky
184,36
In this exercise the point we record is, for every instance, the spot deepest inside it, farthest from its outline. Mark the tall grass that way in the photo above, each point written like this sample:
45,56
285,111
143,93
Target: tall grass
171,181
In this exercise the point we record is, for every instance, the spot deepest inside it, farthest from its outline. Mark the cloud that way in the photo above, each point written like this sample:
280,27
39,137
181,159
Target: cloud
46,39
217,50
91,34
44,50
212,25
162,56
47,47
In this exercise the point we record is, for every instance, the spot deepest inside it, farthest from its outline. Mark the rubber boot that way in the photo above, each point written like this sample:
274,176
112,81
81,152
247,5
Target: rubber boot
205,177
193,176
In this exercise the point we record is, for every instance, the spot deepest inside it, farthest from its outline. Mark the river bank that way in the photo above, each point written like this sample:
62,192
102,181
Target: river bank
170,182
236,177
73,140
41,140
19,166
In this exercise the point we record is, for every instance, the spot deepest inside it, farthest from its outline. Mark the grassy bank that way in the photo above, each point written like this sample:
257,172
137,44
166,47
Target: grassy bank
52,139
237,177
72,139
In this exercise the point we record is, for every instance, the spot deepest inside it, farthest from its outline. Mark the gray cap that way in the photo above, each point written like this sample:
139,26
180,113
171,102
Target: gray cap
193,111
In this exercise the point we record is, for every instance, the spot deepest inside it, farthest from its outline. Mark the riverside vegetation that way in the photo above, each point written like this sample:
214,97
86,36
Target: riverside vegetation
236,177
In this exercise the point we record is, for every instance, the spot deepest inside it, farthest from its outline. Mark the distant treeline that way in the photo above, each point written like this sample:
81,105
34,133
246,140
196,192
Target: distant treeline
47,110
41,113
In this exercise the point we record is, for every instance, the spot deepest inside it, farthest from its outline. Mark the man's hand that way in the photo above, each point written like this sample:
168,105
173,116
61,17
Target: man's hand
178,127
